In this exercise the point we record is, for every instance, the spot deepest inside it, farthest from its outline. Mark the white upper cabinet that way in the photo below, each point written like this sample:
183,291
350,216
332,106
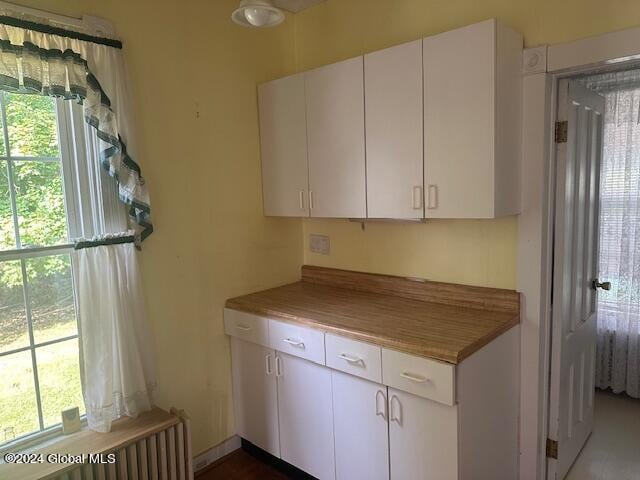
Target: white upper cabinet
283,144
393,106
472,118
335,140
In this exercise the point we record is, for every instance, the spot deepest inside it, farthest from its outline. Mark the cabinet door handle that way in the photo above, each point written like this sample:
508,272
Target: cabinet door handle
382,413
267,364
311,202
244,328
350,359
414,378
301,198
417,197
278,367
432,197
294,343
392,417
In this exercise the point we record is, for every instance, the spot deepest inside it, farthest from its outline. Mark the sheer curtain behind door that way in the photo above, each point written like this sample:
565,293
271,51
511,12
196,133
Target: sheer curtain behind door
618,349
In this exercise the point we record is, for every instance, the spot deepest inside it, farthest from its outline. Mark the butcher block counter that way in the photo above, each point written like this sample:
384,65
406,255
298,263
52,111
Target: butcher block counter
442,321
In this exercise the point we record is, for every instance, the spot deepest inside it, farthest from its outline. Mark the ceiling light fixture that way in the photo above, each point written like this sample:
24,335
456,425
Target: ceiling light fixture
257,13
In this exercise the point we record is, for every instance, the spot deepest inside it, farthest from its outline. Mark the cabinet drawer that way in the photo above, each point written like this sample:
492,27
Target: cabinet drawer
357,358
298,341
421,376
246,326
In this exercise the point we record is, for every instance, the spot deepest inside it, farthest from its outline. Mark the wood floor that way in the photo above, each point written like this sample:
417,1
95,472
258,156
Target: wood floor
239,465
613,450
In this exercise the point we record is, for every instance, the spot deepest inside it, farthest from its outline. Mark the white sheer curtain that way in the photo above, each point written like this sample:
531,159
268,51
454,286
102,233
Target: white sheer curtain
118,373
618,348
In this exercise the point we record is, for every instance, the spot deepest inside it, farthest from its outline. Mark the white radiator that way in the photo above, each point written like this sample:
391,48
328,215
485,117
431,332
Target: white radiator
164,455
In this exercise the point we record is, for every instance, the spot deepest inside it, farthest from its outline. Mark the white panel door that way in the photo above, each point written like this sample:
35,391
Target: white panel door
459,118
283,146
360,427
335,131
423,438
575,269
254,394
306,415
393,106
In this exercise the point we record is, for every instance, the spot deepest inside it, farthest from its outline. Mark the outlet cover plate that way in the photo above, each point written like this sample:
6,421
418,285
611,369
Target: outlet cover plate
319,244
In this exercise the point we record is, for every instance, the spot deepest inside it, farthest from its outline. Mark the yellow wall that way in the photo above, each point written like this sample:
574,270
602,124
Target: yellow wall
474,252
211,240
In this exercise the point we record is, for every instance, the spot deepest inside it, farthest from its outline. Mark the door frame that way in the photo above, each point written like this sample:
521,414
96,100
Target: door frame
543,67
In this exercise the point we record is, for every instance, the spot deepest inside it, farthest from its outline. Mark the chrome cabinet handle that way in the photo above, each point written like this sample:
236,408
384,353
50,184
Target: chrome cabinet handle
278,367
432,197
294,343
311,200
603,285
398,418
244,328
267,366
414,378
350,359
417,197
382,413
301,199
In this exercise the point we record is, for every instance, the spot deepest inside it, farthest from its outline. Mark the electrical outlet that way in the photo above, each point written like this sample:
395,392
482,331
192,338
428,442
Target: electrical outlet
319,244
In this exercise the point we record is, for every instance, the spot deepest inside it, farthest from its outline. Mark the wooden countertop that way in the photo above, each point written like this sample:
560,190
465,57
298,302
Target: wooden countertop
443,321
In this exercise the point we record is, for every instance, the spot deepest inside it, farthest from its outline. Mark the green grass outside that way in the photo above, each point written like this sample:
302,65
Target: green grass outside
59,380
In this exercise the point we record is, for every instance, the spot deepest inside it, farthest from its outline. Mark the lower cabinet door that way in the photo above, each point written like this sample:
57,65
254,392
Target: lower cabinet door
306,416
423,438
360,427
255,395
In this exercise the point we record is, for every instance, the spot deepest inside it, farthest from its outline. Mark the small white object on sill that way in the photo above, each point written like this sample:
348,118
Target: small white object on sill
70,420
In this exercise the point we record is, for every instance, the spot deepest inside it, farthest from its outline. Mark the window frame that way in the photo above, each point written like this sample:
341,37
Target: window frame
72,145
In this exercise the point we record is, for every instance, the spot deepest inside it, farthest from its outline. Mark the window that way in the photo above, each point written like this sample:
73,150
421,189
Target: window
39,213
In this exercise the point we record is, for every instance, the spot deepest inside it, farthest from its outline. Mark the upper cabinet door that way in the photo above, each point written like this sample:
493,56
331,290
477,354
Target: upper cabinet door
472,97
335,130
283,142
393,99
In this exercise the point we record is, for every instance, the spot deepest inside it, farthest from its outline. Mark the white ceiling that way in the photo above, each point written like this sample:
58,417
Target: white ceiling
295,6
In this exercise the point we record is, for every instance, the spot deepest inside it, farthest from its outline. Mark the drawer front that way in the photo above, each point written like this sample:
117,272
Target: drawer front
427,378
246,326
357,358
296,340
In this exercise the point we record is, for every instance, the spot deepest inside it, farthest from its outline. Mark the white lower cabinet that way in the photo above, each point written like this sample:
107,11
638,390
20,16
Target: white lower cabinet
306,416
255,395
360,428
423,439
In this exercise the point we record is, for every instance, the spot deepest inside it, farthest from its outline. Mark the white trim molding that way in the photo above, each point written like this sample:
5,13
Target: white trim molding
214,454
536,220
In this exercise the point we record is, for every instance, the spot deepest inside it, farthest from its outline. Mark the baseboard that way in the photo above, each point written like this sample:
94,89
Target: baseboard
214,454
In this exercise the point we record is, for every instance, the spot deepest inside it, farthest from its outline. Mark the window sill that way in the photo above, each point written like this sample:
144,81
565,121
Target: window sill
123,432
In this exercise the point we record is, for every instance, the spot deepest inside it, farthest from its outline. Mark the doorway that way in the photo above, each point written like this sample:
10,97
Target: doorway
594,394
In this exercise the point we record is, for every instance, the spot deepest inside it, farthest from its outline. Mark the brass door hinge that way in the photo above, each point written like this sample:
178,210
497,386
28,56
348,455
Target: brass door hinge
561,132
552,448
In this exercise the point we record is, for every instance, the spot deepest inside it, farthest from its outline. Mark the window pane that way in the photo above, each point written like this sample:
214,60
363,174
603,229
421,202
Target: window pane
7,235
13,318
59,377
31,122
53,313
40,203
18,408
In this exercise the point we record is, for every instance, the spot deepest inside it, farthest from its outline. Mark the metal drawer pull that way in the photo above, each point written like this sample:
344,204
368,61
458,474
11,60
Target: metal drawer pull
414,378
398,418
350,359
294,343
384,412
278,367
244,328
267,366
